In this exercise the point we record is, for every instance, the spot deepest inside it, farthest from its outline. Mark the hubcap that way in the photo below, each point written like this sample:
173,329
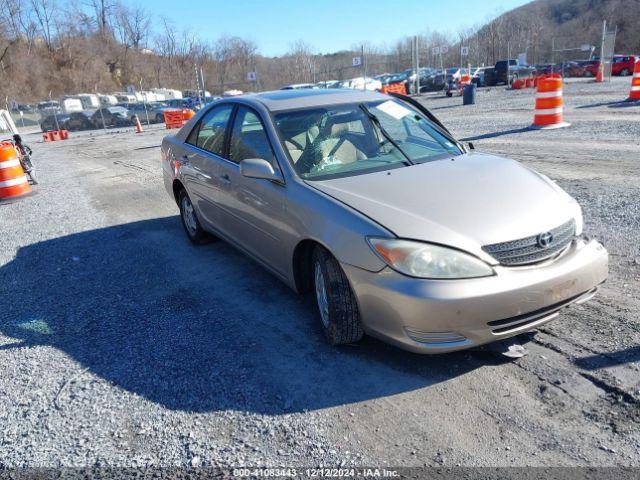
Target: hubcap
321,295
189,216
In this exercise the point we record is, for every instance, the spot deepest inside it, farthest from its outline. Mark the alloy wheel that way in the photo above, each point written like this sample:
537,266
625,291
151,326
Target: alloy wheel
321,295
189,216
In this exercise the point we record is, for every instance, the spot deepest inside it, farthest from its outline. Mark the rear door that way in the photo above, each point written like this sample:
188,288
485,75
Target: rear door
252,209
203,151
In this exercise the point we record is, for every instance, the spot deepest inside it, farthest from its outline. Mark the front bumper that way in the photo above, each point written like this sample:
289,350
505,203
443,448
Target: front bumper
437,316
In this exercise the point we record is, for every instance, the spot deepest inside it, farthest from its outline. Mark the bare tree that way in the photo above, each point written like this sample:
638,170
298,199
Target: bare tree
44,11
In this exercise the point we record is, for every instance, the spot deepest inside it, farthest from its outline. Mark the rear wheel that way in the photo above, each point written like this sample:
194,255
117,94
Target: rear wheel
190,220
337,306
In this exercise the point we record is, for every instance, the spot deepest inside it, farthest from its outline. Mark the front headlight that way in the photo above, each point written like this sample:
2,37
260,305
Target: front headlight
424,260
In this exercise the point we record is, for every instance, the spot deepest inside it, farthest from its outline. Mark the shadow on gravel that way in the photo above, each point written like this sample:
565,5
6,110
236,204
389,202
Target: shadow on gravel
196,328
606,359
617,104
496,134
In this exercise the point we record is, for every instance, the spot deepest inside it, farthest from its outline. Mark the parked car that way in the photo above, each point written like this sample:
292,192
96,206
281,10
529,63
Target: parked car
506,71
365,83
329,84
147,112
78,121
301,182
623,64
24,108
590,67
299,86
573,69
54,121
478,76
181,103
115,116
49,107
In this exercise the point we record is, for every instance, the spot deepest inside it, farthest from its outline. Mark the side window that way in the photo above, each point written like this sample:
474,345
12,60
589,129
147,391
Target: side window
209,133
248,138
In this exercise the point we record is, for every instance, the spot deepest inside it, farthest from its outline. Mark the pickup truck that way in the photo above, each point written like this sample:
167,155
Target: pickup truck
506,71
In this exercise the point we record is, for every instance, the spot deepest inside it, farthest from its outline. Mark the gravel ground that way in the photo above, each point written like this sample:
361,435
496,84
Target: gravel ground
123,345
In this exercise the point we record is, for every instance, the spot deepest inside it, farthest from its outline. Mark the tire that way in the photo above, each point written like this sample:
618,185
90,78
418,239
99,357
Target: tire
159,118
190,221
337,307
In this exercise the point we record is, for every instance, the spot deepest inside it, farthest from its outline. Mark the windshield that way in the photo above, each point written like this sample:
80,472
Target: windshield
352,139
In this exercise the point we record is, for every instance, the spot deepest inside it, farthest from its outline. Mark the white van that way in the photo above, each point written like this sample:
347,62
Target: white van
125,97
168,93
89,101
70,104
107,100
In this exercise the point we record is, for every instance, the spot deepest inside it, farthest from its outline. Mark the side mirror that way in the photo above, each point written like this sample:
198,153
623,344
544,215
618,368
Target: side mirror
259,168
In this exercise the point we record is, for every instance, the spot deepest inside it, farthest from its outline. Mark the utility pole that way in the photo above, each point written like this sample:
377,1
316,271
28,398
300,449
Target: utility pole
364,68
604,34
416,50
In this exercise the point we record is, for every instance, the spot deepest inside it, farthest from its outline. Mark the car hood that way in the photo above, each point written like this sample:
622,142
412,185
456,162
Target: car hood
466,201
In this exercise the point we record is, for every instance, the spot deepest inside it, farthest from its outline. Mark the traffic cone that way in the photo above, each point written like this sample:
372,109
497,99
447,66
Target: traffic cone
13,181
548,113
600,74
138,125
634,94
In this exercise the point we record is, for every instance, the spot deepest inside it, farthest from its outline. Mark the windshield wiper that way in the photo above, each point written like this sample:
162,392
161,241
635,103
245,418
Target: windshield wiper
386,135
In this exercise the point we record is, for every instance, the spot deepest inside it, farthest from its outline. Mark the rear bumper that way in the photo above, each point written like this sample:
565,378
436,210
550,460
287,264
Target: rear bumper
437,316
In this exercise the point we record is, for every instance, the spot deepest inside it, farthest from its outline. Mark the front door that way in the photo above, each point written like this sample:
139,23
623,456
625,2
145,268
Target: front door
252,208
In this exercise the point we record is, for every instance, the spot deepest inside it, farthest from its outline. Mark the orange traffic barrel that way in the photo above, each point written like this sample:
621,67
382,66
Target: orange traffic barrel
188,114
634,94
549,113
518,84
13,181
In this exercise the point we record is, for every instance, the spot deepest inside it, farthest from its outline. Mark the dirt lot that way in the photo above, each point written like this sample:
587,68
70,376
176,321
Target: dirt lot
123,345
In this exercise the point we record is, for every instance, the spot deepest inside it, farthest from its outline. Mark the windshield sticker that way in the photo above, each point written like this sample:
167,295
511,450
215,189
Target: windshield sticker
394,109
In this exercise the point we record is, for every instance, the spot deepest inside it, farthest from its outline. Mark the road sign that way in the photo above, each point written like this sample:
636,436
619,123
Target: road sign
435,50
464,51
444,49
252,76
356,61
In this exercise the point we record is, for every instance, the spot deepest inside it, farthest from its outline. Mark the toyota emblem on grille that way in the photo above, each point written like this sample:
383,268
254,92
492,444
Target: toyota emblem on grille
545,239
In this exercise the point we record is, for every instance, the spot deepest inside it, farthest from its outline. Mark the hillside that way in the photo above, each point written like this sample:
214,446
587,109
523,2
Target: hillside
570,23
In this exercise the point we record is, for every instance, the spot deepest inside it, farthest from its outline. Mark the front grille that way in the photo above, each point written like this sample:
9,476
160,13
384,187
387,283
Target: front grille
528,250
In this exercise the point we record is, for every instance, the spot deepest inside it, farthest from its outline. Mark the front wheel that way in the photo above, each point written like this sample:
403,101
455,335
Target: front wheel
190,221
337,306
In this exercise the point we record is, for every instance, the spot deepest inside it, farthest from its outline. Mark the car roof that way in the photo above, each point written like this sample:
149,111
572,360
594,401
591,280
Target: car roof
279,100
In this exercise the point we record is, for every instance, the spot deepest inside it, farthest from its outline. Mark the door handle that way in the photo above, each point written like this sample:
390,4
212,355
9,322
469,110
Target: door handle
225,178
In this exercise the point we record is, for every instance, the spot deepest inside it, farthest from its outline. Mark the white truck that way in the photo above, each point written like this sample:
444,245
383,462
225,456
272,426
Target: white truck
168,93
